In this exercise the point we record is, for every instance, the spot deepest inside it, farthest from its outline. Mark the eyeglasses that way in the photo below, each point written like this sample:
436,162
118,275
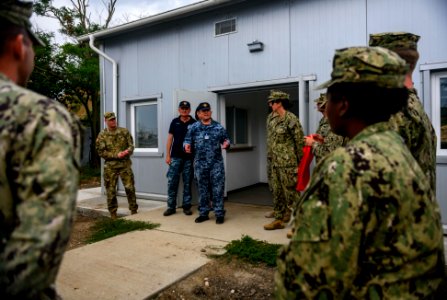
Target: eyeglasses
273,101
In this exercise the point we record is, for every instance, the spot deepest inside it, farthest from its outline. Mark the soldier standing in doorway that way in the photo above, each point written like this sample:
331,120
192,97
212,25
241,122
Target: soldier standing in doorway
285,141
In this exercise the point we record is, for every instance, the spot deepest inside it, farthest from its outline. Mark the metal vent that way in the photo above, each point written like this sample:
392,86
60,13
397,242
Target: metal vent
225,27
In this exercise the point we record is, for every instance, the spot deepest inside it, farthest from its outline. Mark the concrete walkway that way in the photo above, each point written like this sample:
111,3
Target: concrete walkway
139,264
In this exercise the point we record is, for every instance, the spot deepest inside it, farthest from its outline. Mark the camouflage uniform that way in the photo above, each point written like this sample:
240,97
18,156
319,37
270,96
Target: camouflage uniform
331,140
109,144
368,226
285,141
39,177
206,140
412,123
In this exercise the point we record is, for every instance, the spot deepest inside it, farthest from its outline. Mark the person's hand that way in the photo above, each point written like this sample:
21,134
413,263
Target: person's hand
313,138
187,148
226,144
123,153
318,138
308,141
168,159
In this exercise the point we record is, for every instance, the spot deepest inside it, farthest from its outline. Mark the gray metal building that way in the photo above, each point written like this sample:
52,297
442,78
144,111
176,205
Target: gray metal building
232,52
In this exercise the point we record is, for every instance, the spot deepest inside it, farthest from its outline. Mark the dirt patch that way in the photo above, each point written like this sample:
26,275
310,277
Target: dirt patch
81,230
222,278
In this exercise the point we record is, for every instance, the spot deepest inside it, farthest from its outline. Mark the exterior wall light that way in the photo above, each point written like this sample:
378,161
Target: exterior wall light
255,46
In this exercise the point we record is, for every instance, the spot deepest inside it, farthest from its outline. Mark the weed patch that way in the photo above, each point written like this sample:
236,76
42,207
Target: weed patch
253,251
107,228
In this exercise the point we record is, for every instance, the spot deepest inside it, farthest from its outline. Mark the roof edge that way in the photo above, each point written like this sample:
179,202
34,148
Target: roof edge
169,15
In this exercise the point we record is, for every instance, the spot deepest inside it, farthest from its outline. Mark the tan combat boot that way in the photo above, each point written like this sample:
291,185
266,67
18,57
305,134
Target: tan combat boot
113,215
290,234
277,224
287,216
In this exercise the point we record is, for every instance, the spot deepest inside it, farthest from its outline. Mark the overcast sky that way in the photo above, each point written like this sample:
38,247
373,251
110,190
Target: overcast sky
126,11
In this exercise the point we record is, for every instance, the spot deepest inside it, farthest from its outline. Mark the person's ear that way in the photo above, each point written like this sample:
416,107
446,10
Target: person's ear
18,47
343,107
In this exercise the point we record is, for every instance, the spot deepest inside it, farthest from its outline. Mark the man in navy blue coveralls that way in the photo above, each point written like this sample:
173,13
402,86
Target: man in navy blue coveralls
180,163
206,139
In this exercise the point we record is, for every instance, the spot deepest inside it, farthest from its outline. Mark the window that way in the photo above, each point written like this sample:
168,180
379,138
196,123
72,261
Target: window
225,27
144,126
439,107
237,125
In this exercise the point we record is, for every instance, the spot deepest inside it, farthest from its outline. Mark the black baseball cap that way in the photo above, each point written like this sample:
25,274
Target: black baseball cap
184,104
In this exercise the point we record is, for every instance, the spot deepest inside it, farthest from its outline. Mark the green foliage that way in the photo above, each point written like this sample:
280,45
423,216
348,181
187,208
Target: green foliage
253,251
70,73
88,173
46,78
106,228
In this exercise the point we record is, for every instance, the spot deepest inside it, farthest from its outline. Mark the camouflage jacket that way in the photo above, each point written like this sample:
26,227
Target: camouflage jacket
39,174
367,227
285,140
110,143
417,131
206,141
331,140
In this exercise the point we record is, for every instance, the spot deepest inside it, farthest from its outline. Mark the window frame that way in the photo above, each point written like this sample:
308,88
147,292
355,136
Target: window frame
132,106
234,132
435,79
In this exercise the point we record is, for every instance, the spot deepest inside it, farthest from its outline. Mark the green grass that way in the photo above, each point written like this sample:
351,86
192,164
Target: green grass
107,228
253,251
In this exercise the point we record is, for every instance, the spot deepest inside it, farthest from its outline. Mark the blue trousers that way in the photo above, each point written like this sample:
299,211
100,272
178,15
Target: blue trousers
179,166
211,183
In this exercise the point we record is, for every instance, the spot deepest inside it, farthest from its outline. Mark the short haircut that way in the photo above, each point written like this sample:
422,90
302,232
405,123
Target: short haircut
9,31
368,102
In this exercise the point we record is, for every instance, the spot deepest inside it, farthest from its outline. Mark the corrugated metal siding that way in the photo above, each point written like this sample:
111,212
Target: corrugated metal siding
425,18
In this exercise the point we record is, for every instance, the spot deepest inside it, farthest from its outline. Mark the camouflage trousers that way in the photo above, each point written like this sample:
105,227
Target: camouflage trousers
183,167
111,181
282,183
211,183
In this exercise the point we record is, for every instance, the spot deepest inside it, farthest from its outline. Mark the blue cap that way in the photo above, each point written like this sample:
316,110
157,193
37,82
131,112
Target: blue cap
204,106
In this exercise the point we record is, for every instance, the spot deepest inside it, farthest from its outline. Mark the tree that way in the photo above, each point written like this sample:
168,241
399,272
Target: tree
70,73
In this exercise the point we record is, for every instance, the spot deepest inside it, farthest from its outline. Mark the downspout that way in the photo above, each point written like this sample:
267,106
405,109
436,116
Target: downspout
114,74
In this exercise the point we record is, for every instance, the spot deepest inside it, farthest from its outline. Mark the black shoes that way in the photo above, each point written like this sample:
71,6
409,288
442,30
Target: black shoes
187,211
201,219
169,212
219,220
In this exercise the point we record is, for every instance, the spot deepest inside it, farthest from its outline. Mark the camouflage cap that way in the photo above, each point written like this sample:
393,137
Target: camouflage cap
277,95
204,106
109,115
367,65
321,101
19,13
394,40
